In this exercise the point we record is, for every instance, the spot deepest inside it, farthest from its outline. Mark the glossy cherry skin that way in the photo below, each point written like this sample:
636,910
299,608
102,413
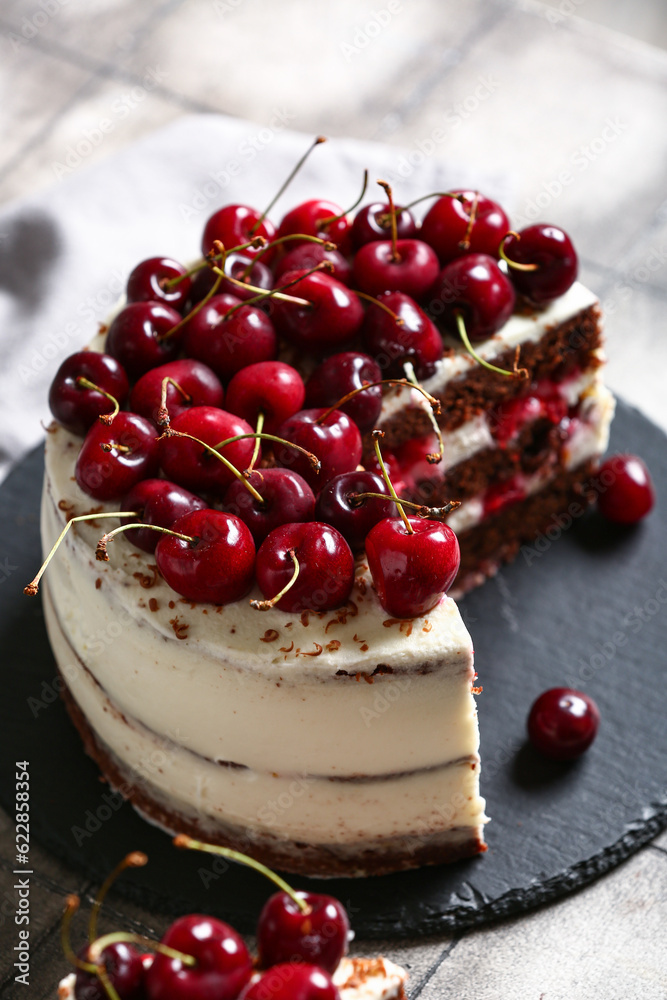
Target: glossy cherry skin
336,442
326,567
235,225
419,475
375,271
285,934
148,282
563,723
412,572
445,226
137,337
217,568
292,981
308,255
354,519
415,339
270,387
107,475
223,964
625,489
125,970
77,408
157,501
196,379
309,218
228,345
190,465
340,374
373,222
332,319
557,265
287,497
475,286
259,276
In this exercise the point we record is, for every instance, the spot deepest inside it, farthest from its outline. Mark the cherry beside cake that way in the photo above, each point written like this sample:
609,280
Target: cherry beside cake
282,444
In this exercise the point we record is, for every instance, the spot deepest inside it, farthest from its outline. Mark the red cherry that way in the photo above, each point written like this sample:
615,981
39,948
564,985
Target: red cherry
216,568
192,466
446,226
77,407
196,379
310,218
125,970
137,337
419,475
415,339
308,255
335,441
551,249
228,345
373,222
235,225
504,493
157,501
332,319
354,519
223,964
286,497
413,270
285,933
148,282
412,572
269,387
133,455
475,286
292,981
625,489
326,567
259,276
340,374
563,723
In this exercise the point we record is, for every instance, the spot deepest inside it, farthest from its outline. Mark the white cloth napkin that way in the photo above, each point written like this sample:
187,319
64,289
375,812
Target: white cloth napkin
65,253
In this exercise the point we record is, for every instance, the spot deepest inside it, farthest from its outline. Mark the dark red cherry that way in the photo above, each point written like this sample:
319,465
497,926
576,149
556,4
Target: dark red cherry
412,572
393,468
563,723
551,249
331,320
420,476
286,497
412,270
340,374
235,225
310,218
334,440
292,981
475,286
229,344
190,465
270,387
76,407
338,506
415,339
259,276
285,933
625,489
373,222
201,385
132,455
140,338
447,226
149,280
217,567
124,968
223,964
157,501
326,567
308,255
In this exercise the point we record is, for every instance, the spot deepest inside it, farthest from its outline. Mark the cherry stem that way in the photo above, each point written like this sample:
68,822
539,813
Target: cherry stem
109,987
183,841
262,293
163,412
33,587
514,263
515,373
377,435
302,237
260,435
168,432
135,859
115,446
116,937
464,244
420,509
395,256
101,550
283,187
267,605
255,454
104,418
376,302
195,309
71,906
425,197
334,218
409,370
371,385
256,243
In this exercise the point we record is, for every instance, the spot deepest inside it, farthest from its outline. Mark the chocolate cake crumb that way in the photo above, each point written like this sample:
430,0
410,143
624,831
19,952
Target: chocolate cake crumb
98,583
153,604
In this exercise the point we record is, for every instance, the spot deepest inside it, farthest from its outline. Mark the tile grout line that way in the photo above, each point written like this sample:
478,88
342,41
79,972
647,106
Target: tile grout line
428,976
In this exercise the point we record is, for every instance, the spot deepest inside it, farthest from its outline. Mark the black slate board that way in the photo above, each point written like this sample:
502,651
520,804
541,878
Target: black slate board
564,615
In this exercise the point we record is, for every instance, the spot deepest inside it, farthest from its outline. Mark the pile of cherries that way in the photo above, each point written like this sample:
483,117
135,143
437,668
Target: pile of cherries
301,938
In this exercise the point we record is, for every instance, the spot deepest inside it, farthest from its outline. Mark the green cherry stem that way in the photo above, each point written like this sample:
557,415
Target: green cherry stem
514,264
163,412
261,293
315,463
395,256
267,605
420,509
409,370
377,435
135,859
196,308
116,937
302,237
329,221
168,432
104,418
71,906
515,373
102,555
371,385
425,197
290,177
256,243
258,443
183,841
